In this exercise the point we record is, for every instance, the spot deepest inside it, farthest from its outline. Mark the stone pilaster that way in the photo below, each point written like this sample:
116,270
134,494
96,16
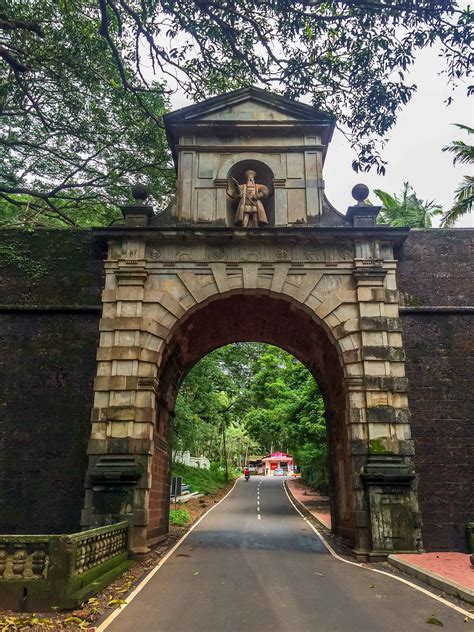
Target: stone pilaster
388,474
121,447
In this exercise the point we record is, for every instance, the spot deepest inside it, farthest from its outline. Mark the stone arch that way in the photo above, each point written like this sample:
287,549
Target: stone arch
275,319
273,162
163,296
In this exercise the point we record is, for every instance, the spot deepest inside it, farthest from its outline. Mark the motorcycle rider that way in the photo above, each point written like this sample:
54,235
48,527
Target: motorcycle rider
246,472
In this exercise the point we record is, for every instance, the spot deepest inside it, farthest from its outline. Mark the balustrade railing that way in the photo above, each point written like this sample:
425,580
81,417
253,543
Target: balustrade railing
39,571
97,546
24,557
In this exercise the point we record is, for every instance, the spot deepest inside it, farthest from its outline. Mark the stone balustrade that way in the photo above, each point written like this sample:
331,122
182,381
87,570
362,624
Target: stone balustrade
98,545
41,571
24,557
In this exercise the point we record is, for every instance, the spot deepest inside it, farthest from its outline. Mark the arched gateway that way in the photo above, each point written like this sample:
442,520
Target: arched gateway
253,251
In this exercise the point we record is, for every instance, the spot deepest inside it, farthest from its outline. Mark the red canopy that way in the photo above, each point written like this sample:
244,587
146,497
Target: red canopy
278,456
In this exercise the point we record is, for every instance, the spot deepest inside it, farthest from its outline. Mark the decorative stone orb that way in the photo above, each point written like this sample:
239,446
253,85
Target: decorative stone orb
140,192
360,192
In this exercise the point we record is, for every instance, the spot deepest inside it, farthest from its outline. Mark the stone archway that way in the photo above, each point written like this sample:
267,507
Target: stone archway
278,320
173,295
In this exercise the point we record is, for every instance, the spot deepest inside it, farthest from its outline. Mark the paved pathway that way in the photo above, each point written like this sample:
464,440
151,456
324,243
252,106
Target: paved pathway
455,567
254,564
313,501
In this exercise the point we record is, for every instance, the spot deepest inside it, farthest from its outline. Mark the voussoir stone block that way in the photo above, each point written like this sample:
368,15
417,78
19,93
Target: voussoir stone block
387,415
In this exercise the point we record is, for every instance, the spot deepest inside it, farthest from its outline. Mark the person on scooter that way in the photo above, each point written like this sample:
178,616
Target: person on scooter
246,472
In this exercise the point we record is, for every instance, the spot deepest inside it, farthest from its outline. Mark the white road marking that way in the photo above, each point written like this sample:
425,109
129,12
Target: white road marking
113,615
258,516
465,613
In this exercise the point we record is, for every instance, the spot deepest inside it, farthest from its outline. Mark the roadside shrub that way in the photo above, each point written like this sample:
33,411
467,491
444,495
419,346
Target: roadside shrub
200,480
180,517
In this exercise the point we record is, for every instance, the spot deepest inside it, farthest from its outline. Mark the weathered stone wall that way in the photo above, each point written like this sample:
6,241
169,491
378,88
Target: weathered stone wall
47,366
49,283
436,269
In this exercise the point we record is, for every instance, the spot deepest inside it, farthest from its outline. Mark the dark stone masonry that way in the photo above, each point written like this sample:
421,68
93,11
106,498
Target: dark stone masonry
436,269
48,336
50,289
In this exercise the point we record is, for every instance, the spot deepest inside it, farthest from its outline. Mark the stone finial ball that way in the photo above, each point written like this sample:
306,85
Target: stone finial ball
360,192
140,192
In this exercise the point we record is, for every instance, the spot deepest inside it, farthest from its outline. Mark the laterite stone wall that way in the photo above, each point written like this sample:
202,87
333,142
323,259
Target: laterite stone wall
48,337
436,268
47,366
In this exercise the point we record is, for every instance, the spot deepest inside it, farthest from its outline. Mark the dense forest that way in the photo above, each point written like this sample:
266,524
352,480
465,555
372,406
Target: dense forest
251,398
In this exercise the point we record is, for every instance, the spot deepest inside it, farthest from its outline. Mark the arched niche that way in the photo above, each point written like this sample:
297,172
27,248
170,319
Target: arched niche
264,176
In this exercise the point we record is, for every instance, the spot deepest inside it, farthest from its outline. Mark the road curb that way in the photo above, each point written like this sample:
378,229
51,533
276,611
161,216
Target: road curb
302,507
433,579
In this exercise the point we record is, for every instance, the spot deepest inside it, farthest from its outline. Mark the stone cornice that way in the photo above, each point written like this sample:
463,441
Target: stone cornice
457,310
195,232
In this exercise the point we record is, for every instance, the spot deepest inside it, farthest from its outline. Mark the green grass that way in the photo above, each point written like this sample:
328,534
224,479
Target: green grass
180,517
200,480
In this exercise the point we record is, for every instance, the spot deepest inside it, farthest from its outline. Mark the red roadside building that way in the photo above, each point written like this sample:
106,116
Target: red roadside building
278,464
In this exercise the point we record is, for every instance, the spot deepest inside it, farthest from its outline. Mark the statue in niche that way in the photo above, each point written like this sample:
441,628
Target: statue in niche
250,211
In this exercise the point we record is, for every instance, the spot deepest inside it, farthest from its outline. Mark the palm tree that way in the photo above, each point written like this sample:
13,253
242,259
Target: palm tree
464,195
406,210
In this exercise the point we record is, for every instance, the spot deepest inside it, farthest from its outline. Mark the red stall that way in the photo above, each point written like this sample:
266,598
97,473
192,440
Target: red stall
278,464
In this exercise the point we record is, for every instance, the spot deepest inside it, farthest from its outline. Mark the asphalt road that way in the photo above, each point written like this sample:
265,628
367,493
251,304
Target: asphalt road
237,572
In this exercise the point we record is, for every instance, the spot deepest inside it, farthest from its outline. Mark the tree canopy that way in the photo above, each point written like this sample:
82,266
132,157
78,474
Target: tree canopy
84,84
262,398
407,209
73,137
464,196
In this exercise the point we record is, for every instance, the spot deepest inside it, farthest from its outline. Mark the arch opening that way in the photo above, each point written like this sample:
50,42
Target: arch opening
243,403
263,318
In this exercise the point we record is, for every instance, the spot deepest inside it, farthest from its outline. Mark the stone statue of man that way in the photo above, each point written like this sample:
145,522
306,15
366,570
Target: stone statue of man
250,212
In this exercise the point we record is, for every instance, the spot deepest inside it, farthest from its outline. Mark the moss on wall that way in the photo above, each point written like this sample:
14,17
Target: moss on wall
50,267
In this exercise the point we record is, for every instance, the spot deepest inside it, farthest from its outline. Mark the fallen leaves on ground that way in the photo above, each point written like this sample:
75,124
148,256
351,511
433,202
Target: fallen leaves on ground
435,621
13,623
116,603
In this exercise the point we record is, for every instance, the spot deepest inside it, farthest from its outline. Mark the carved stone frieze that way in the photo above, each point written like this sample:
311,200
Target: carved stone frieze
264,251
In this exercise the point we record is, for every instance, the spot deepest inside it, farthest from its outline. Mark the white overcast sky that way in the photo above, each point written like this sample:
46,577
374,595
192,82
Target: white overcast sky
413,150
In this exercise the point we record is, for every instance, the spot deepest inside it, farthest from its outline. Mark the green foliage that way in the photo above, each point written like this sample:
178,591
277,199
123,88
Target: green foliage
19,256
200,480
377,447
464,196
81,118
73,137
314,462
180,517
406,210
263,399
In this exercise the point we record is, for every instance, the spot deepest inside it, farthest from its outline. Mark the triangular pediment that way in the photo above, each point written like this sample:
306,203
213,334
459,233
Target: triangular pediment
248,105
248,110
